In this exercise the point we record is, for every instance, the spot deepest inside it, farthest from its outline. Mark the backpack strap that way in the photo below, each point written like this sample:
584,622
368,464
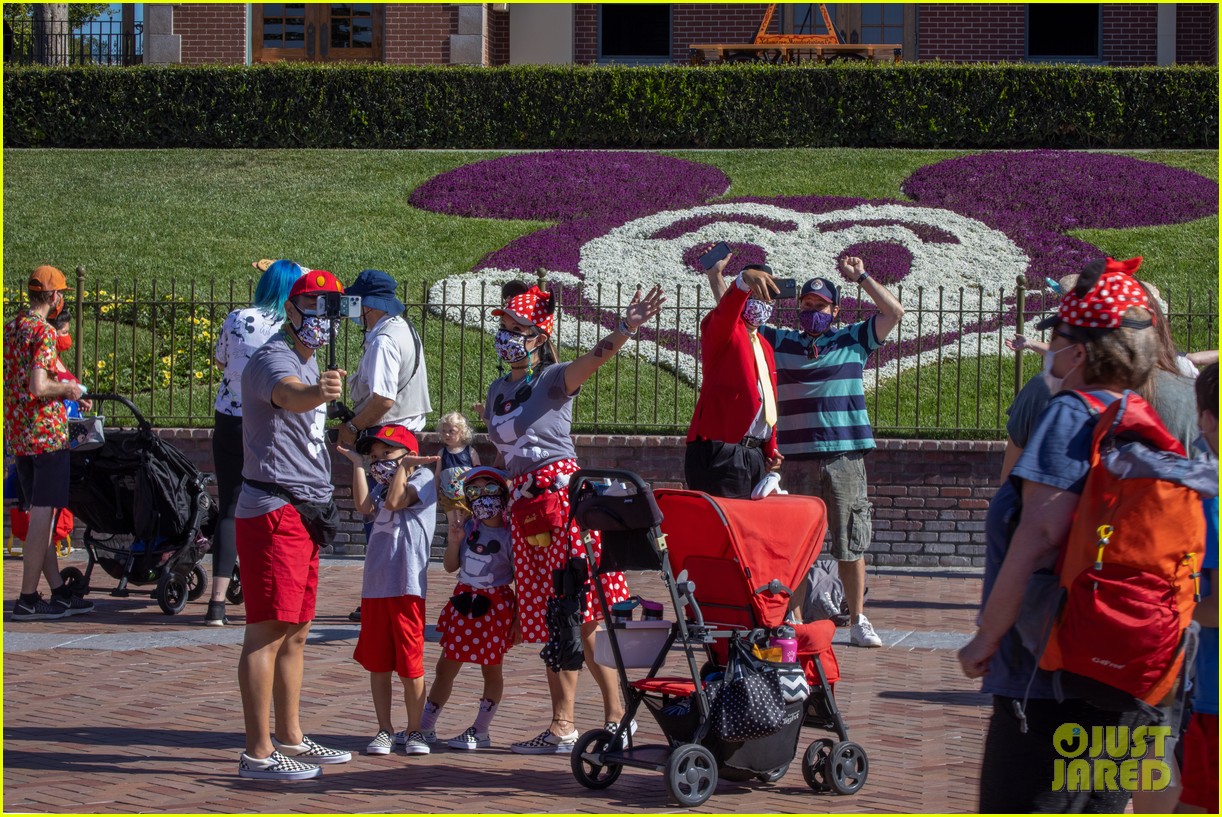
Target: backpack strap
1093,404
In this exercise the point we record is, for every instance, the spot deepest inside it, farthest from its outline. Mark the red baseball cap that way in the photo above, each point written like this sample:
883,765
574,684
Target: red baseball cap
392,434
314,282
534,306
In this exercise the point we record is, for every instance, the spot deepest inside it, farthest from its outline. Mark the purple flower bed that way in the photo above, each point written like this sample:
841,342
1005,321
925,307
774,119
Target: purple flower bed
566,185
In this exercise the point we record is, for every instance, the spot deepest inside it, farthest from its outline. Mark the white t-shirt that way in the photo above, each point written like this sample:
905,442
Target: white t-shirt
242,333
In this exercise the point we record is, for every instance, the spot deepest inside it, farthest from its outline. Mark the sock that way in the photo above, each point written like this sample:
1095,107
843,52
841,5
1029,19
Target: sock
62,592
487,711
431,712
29,598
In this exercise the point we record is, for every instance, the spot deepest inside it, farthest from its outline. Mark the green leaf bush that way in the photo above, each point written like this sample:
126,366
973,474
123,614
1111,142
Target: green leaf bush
918,105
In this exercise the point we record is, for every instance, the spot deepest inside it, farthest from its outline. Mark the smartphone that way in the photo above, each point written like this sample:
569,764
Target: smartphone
788,287
719,251
335,305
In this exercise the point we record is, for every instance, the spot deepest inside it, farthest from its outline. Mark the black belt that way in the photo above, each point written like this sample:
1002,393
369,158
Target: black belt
753,442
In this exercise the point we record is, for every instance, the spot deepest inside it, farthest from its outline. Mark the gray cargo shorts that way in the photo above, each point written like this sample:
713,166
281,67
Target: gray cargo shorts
840,481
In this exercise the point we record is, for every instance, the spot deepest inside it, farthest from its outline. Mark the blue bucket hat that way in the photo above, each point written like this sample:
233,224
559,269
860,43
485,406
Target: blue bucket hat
377,291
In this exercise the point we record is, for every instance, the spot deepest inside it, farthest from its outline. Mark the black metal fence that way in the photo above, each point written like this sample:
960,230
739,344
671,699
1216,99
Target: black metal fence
98,42
945,372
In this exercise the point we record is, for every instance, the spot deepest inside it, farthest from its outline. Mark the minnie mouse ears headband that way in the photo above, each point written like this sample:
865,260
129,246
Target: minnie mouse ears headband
1105,290
534,306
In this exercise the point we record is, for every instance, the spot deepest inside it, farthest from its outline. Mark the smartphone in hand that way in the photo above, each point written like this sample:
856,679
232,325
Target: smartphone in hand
788,288
719,251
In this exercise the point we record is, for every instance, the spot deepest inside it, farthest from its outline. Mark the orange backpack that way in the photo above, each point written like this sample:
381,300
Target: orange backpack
1130,568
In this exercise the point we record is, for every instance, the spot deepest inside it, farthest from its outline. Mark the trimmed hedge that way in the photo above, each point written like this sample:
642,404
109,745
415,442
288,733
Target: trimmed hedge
733,106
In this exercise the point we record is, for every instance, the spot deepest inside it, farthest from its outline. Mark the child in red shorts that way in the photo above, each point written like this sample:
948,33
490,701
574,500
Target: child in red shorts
403,503
480,622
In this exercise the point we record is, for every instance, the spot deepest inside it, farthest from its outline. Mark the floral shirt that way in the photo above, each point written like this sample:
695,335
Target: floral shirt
243,332
31,425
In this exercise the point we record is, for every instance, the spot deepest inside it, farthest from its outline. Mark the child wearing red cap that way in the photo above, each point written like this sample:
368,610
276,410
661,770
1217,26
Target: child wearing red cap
403,504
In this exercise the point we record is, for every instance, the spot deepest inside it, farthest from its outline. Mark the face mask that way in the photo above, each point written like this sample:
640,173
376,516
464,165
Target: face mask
314,332
63,343
59,307
487,507
510,347
383,471
1053,382
815,323
756,312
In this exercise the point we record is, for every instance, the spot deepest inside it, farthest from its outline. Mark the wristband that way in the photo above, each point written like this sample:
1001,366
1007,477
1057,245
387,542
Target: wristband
865,276
624,330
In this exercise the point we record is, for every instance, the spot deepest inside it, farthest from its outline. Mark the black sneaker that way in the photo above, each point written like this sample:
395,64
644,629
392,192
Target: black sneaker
355,615
37,610
71,604
216,615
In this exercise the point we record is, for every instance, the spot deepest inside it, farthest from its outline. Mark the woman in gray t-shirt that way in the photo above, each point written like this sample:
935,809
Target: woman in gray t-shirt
529,416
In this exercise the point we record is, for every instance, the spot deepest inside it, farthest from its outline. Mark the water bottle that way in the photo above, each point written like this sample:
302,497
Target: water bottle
785,638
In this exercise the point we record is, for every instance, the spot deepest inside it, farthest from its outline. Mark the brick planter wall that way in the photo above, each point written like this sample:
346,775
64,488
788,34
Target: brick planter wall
930,496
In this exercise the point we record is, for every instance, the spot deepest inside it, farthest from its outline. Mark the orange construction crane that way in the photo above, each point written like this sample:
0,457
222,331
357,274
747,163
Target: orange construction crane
793,48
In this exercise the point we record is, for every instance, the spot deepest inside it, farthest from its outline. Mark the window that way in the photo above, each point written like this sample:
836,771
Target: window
882,23
808,20
316,32
1068,31
634,33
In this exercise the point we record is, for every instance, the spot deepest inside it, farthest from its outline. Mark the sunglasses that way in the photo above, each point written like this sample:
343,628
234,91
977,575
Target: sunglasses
488,489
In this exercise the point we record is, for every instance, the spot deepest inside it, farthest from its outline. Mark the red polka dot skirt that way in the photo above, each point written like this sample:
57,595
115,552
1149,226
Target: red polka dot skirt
533,566
482,640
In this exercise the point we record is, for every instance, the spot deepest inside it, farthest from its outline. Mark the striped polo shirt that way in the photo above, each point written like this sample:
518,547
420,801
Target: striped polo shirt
821,401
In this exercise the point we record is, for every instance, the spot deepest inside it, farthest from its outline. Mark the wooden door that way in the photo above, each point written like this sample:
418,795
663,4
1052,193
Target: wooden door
316,32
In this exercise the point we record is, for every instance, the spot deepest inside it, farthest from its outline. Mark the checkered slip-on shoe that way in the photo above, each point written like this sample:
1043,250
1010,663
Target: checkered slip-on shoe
613,728
416,744
470,740
276,767
430,737
382,744
546,744
311,751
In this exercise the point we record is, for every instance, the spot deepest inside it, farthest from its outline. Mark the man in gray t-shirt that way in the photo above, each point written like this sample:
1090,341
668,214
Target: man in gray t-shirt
287,467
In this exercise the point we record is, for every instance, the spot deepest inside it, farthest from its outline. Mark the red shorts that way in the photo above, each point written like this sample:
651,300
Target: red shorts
392,636
482,640
279,567
1200,772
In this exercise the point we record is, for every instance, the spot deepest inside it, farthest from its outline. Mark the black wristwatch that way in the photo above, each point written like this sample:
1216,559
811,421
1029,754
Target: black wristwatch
864,276
351,426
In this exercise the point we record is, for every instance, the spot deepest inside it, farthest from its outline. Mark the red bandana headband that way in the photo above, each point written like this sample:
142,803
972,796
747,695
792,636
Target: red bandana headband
1103,307
533,306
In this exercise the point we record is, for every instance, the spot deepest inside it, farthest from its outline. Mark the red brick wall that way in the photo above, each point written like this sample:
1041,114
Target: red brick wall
1196,33
695,23
971,33
930,497
211,33
497,52
585,34
419,34
1130,34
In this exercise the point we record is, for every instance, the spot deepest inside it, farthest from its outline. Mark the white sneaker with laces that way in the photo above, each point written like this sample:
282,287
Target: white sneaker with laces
545,743
311,751
470,740
862,634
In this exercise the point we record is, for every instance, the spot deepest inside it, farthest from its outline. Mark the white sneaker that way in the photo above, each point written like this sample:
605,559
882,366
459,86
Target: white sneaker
470,740
862,634
415,744
381,744
312,752
546,744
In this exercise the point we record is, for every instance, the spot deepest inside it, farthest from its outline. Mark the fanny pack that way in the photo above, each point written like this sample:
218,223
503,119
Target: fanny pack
539,514
321,519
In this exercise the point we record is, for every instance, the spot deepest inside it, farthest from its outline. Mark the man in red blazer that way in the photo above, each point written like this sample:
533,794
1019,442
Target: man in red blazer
731,444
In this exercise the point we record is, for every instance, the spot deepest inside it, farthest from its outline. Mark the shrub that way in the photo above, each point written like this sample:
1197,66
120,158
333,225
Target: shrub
926,105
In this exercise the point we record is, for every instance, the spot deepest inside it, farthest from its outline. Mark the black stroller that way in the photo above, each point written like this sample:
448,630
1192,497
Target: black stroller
743,554
147,514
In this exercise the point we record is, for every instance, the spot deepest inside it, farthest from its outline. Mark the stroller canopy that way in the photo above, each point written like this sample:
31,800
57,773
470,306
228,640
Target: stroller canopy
733,547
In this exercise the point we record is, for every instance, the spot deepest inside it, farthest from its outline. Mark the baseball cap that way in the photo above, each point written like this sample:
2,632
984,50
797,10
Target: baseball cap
392,434
487,472
1105,290
823,288
47,278
314,282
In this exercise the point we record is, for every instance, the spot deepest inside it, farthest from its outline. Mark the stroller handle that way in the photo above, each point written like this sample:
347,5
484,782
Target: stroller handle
128,404
591,474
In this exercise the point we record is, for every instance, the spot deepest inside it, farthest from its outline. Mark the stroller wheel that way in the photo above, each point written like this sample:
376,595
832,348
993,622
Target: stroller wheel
849,767
591,774
815,765
172,593
772,776
234,593
197,582
74,580
691,774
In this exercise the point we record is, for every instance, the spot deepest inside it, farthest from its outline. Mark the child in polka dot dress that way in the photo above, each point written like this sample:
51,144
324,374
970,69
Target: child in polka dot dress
480,622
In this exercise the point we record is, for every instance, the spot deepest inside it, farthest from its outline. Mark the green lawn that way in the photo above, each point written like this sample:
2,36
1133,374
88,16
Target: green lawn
183,216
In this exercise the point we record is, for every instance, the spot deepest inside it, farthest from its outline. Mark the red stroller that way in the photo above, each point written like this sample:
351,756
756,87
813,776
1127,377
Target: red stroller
740,558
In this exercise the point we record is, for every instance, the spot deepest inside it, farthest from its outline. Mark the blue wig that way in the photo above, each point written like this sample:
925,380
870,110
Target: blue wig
273,288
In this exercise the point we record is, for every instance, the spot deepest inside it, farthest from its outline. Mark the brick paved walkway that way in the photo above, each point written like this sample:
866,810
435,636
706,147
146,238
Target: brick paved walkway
132,711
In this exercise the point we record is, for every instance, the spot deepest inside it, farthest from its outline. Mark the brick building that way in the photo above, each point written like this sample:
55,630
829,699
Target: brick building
522,33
